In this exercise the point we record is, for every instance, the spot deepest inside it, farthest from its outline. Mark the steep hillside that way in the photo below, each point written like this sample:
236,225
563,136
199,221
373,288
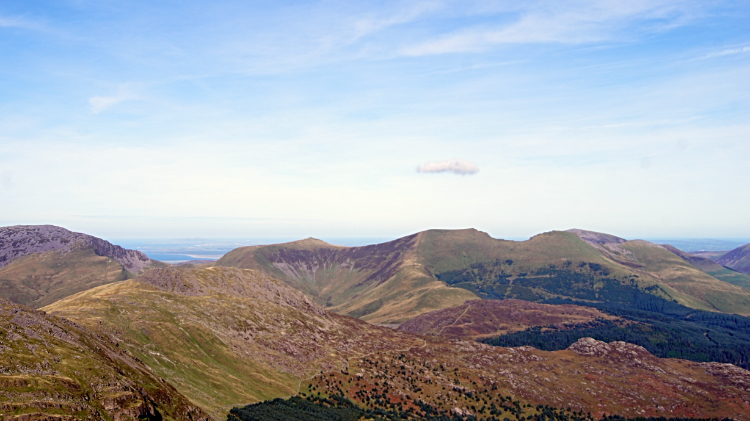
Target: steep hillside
737,259
722,273
225,336
382,283
53,369
477,319
42,263
469,378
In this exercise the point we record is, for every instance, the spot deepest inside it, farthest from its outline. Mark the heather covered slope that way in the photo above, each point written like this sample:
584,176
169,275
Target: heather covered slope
225,336
382,283
478,319
53,369
737,259
40,264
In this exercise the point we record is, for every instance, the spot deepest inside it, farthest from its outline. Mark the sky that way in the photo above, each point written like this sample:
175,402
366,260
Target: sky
156,119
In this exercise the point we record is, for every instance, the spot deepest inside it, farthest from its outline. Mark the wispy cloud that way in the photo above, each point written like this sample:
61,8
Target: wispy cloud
456,166
560,22
728,52
101,103
17,22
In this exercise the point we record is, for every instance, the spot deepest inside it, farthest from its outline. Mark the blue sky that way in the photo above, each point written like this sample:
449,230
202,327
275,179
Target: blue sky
135,119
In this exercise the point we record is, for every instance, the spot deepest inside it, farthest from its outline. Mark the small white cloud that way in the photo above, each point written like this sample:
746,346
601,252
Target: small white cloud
101,103
456,166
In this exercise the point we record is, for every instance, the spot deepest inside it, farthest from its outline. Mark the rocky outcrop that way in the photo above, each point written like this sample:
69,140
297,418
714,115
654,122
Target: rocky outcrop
21,240
590,346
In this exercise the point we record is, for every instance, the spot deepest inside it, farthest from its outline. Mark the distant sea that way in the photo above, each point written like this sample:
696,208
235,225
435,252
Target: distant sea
185,249
178,250
701,244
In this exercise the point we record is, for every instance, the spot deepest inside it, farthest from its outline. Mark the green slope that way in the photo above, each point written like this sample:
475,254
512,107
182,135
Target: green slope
53,369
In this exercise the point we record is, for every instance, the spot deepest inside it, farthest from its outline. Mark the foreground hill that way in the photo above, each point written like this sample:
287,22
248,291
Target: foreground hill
737,259
393,282
53,369
40,264
478,319
225,336
464,379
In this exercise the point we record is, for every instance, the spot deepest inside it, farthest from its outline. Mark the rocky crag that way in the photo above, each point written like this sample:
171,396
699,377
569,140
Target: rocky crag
21,240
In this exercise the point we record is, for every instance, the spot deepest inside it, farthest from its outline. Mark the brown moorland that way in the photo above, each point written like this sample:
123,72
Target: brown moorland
476,319
469,378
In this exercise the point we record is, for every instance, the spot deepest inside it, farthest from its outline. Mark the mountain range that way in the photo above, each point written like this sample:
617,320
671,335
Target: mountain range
119,336
395,281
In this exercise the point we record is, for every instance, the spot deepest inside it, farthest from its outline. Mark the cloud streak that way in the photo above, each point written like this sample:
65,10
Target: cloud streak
101,103
564,23
455,166
729,52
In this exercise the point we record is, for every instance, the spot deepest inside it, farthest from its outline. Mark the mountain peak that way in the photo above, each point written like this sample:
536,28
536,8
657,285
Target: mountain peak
596,237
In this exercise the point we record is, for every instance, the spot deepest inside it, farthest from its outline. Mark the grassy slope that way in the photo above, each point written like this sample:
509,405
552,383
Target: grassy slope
229,343
444,250
700,290
39,279
714,269
53,368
